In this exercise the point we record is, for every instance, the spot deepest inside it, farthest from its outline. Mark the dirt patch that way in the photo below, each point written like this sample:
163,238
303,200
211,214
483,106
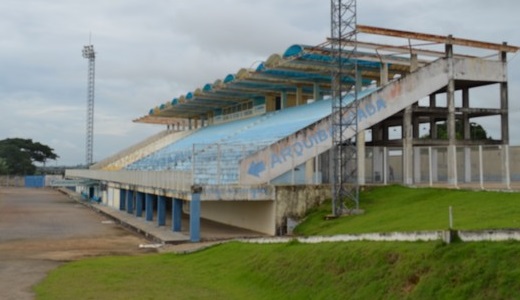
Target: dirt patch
41,229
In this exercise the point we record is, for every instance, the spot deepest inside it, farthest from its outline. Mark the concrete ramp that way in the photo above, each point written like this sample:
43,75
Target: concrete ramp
315,139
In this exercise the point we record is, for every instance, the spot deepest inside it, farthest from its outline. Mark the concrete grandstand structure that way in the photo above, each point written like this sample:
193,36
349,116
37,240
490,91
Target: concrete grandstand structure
252,150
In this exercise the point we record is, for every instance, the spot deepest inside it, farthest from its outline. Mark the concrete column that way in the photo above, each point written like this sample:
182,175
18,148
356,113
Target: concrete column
450,95
360,139
384,74
195,214
299,95
283,100
360,144
407,147
417,165
130,202
139,204
377,164
467,135
309,171
176,214
161,210
433,128
504,104
414,62
316,93
149,206
122,199
504,121
189,124
506,176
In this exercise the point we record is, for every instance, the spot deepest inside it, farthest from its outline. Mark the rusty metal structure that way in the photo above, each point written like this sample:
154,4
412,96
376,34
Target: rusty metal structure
345,187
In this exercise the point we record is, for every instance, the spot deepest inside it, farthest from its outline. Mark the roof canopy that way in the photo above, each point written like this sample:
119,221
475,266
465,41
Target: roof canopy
308,67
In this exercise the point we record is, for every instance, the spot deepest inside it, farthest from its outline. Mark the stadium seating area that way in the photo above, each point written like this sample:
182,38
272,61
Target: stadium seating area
213,153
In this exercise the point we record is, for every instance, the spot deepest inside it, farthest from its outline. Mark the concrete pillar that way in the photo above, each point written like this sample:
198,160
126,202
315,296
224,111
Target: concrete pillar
130,202
176,214
161,210
407,146
139,204
506,176
309,171
360,144
450,95
433,128
377,164
122,199
384,74
504,121
283,100
195,214
360,139
467,135
316,93
149,206
504,104
299,95
417,165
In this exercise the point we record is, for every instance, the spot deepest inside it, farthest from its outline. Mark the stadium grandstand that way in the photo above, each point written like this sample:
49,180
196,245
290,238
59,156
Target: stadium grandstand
252,150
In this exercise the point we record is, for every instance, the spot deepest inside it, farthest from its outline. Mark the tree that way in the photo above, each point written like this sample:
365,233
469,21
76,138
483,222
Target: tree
20,155
476,131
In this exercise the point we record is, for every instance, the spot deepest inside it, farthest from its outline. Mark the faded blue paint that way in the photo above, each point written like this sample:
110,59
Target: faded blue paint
176,214
130,202
139,204
161,210
149,206
34,181
195,217
122,199
320,137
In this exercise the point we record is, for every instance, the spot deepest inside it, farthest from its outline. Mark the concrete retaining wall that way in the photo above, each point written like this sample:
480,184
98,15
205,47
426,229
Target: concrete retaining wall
294,201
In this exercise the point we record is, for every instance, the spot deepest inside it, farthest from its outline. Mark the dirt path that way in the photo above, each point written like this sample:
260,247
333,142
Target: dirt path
42,228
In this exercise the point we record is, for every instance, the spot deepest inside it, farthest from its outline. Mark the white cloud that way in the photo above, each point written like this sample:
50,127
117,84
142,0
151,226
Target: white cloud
151,51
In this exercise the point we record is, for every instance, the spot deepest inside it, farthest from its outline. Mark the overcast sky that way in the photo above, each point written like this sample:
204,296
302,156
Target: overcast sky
151,51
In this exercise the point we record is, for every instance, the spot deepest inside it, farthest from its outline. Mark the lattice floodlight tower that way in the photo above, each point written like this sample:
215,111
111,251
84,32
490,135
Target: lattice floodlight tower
88,53
343,36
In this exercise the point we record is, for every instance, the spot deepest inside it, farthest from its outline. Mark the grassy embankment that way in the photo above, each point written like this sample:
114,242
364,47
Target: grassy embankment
359,270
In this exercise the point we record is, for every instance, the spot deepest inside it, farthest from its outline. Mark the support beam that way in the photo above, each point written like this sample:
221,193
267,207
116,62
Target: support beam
139,197
161,210
122,199
130,202
195,214
176,214
149,206
450,95
407,146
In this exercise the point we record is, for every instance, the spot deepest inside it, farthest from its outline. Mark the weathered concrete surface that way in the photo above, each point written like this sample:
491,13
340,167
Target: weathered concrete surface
42,228
295,200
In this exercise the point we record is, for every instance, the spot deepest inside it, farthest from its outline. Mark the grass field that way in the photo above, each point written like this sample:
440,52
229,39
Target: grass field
355,270
358,270
397,208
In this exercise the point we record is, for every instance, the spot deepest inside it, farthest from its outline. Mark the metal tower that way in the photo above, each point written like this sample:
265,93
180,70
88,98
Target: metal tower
88,53
343,36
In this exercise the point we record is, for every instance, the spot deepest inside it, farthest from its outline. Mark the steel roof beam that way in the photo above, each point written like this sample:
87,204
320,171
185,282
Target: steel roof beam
436,38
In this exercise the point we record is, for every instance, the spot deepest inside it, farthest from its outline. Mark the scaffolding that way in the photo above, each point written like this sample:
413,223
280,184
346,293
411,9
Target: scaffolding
343,43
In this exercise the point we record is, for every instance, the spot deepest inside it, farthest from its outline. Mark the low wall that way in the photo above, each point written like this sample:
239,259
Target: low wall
6,180
294,201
